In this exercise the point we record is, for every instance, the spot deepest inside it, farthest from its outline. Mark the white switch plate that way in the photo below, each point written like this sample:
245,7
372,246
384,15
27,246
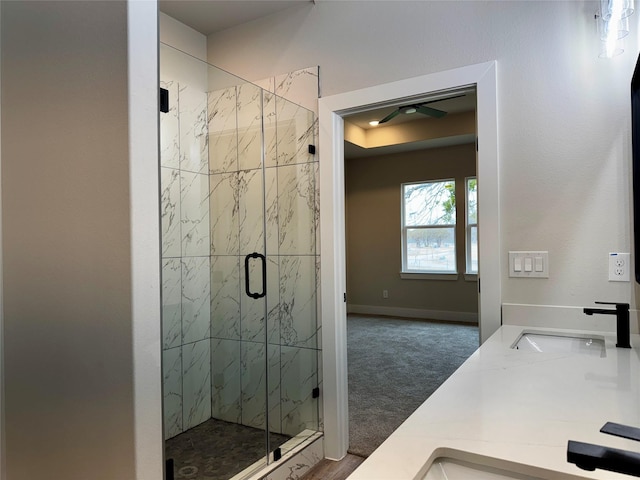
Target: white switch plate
619,267
523,264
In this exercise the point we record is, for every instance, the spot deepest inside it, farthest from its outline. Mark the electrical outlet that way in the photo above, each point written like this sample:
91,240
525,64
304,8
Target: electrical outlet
385,293
619,267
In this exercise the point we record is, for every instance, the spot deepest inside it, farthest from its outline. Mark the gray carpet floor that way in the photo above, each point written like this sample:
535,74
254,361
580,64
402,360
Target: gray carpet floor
394,366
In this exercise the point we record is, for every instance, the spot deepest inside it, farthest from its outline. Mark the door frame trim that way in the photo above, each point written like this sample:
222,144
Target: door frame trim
332,222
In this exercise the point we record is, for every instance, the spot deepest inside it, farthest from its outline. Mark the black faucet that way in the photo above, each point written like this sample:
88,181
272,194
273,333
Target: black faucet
622,320
589,457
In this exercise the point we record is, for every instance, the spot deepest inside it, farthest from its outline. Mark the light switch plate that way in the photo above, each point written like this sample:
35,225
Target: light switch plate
529,264
619,267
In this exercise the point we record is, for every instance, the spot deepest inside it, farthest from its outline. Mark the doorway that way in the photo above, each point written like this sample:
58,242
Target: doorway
411,257
333,287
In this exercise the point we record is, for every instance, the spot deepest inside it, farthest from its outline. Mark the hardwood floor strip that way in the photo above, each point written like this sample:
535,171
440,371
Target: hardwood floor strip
331,470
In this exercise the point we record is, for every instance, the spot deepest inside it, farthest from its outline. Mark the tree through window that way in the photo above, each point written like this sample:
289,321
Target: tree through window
428,227
472,225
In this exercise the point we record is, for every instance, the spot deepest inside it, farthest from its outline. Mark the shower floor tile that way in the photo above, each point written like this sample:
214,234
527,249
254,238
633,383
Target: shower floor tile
217,450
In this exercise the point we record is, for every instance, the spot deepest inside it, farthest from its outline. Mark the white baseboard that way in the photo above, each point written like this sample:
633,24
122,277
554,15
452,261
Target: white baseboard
443,315
559,316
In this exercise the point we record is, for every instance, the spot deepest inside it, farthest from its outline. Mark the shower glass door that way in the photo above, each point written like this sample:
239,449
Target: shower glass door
292,213
239,219
238,268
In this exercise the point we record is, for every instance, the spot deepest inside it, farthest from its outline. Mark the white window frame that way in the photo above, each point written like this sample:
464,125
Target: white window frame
406,273
469,226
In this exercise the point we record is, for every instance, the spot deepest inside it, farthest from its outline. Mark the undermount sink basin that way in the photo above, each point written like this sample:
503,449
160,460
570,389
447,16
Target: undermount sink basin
451,464
592,345
451,469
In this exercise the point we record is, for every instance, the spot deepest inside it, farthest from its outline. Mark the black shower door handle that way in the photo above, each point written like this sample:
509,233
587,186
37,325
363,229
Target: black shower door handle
264,275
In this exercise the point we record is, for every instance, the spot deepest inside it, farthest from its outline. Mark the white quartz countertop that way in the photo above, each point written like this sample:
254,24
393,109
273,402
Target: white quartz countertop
520,407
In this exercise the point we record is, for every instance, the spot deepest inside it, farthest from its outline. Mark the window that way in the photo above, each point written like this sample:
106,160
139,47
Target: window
429,227
471,236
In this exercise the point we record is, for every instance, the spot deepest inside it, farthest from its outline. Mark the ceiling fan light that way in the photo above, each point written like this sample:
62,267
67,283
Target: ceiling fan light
410,110
374,123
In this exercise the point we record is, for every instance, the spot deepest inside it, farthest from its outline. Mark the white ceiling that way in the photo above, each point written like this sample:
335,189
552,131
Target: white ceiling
210,16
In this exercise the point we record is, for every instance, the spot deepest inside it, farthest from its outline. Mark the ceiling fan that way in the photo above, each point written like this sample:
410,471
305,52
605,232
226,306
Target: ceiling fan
419,108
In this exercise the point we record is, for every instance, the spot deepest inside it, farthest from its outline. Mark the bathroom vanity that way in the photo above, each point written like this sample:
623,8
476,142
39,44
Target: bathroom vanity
509,412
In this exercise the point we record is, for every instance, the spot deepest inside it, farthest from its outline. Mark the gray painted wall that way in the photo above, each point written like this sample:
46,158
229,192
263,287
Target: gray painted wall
373,230
69,298
563,113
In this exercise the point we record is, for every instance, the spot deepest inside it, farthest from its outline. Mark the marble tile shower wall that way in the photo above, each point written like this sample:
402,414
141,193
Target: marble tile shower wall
239,227
302,87
185,260
214,352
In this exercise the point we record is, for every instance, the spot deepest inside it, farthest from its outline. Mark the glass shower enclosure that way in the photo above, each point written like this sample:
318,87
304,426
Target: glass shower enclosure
239,201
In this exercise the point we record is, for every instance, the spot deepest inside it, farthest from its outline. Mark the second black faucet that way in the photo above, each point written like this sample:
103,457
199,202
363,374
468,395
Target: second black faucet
622,320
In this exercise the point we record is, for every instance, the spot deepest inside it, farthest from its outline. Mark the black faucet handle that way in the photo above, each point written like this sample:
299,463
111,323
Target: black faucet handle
623,431
617,304
588,456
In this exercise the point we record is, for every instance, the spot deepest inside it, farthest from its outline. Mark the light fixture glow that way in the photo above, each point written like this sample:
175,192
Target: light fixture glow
616,9
610,47
374,123
610,35
411,110
613,25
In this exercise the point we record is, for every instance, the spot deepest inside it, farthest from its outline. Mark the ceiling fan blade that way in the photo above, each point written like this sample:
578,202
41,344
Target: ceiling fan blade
390,116
442,99
431,112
